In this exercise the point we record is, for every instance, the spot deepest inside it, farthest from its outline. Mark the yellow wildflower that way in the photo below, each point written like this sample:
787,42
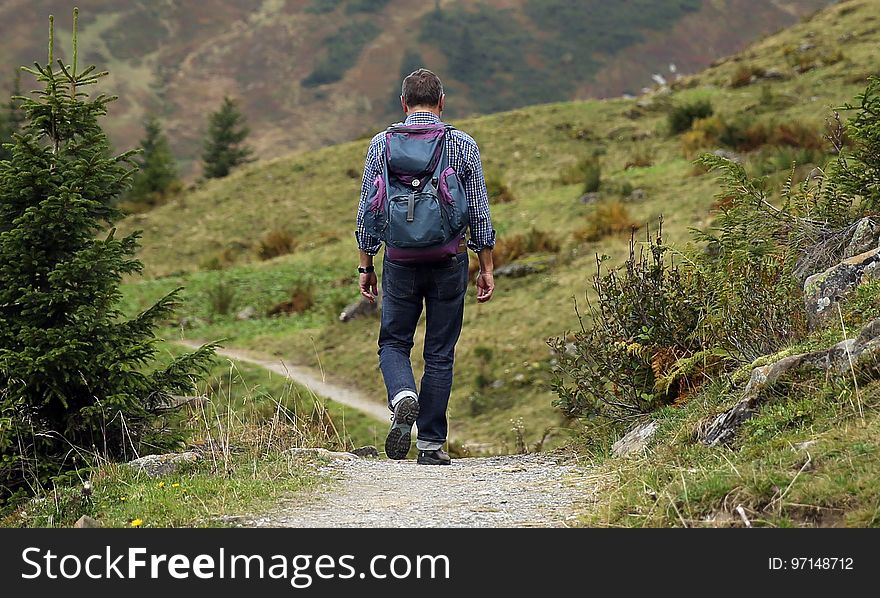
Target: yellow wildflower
136,522
161,484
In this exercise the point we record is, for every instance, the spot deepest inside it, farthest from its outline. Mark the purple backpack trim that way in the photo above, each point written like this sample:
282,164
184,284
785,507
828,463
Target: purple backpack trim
422,256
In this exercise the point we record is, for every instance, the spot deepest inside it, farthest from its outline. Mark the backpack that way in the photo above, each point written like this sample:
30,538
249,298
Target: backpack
417,205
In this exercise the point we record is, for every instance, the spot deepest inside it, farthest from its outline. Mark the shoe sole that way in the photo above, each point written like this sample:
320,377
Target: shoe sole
397,443
423,462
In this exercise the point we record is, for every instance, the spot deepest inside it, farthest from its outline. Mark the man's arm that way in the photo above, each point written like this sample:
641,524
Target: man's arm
368,244
482,239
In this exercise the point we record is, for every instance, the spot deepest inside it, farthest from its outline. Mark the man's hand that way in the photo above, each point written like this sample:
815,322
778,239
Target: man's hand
485,286
369,285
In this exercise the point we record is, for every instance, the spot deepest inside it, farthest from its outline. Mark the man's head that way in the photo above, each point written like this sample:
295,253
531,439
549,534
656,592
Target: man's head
422,91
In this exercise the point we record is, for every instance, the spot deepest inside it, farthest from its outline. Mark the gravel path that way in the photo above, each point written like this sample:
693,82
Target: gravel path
506,491
307,377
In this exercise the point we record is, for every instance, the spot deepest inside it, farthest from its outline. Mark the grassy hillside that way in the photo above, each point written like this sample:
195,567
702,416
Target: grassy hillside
315,72
502,396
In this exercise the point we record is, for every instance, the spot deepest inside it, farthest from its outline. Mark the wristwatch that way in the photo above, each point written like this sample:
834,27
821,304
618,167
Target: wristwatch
367,270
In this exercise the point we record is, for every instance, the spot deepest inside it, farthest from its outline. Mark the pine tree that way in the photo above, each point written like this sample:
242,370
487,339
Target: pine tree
76,377
10,119
157,170
224,146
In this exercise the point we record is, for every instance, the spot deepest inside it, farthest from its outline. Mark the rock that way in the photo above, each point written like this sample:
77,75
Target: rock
591,197
366,451
843,358
774,75
496,384
191,322
359,309
637,195
515,270
158,465
728,155
86,522
822,291
634,441
248,313
322,453
865,237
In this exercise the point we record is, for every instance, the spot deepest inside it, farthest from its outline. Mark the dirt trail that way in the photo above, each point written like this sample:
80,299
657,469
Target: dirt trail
307,377
507,491
538,490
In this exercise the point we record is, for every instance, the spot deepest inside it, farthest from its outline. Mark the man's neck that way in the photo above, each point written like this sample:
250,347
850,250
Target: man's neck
435,110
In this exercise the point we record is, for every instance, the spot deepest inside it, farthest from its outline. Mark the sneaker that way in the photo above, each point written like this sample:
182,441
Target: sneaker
438,457
405,414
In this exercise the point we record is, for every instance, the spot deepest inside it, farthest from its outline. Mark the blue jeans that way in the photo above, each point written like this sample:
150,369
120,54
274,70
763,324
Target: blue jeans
441,287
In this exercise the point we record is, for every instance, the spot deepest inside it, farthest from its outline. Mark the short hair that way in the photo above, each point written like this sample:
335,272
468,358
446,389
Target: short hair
422,88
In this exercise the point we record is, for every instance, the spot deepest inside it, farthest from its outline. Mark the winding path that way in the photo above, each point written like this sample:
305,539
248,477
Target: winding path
305,376
538,490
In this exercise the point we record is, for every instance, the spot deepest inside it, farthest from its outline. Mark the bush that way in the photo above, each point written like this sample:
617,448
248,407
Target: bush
745,75
221,298
302,299
608,218
275,243
511,247
642,157
498,191
682,117
586,171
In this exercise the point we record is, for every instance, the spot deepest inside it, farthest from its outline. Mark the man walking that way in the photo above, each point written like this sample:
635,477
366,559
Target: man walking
420,209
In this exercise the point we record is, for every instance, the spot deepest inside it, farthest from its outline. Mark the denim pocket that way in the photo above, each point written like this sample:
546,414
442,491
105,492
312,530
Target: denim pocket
452,281
398,280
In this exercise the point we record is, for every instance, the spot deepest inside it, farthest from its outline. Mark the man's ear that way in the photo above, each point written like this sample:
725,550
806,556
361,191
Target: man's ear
442,103
403,105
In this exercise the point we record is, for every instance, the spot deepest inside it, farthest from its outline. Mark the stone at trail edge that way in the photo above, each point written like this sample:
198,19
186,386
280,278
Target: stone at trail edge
86,522
158,465
366,451
322,453
634,441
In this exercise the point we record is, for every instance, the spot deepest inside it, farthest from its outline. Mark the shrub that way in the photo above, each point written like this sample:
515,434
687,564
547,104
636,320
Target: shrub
221,298
498,191
642,157
608,218
302,299
275,243
586,171
682,117
745,75
511,247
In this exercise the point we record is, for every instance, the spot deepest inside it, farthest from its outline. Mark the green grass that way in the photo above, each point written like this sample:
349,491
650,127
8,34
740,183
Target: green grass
252,417
810,455
314,196
196,496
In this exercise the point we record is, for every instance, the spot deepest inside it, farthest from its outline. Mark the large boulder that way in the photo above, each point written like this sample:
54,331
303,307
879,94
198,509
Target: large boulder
824,290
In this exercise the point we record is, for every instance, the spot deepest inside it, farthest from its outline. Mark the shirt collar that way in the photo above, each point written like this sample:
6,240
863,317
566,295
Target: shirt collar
422,118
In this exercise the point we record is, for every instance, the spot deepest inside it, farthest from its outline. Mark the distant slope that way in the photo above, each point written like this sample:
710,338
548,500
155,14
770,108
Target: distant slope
818,64
315,72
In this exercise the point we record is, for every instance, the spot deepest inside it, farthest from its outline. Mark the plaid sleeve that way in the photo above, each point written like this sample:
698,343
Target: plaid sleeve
368,243
482,233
